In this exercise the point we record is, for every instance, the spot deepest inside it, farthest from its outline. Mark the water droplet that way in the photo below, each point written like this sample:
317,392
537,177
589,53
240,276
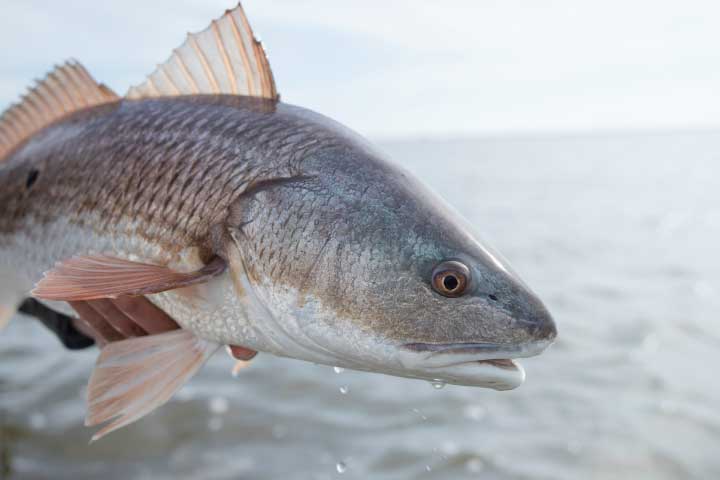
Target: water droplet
437,384
450,448
428,468
218,405
338,369
475,465
344,389
415,410
341,467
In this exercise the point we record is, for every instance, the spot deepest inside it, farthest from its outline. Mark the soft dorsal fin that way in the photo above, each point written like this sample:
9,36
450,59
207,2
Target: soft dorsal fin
65,90
225,58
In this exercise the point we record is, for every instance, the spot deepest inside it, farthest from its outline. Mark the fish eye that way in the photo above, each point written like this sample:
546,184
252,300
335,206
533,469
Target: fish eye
450,278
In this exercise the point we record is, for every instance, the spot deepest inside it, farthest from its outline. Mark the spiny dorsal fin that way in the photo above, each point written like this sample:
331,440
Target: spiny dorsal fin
225,58
66,89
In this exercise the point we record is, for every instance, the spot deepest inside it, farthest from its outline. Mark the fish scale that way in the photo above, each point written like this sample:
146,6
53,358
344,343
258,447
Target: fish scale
149,181
124,200
248,221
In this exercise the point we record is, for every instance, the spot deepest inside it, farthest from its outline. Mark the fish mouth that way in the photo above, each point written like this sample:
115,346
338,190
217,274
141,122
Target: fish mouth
473,364
501,363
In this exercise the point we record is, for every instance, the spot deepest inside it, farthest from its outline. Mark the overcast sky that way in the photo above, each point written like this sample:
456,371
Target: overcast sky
391,68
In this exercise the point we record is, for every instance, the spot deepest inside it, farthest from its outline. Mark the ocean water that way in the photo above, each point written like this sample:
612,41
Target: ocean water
620,235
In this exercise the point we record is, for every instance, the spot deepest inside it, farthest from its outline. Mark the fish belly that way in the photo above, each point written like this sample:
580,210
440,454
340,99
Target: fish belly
209,310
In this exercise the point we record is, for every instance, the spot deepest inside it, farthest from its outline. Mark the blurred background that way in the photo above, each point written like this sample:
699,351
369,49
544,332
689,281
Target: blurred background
582,139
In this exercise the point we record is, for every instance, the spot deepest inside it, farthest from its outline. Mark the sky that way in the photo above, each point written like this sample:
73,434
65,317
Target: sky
397,68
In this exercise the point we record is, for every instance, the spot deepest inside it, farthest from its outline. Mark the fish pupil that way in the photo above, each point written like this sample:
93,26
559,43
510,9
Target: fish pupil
451,282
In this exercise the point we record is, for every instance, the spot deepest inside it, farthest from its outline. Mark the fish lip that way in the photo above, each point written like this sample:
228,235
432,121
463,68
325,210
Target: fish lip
496,374
507,364
488,365
441,355
438,348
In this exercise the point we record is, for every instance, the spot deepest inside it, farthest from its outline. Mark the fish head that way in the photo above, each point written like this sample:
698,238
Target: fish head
446,305
359,265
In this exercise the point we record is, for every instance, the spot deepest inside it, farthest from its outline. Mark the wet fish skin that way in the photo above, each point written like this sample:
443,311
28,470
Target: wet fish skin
169,165
147,180
251,223
370,235
331,247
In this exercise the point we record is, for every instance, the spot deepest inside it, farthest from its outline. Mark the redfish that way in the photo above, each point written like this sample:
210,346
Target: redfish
249,221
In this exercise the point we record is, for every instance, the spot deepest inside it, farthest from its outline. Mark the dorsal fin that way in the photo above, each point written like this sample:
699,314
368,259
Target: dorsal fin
225,58
66,89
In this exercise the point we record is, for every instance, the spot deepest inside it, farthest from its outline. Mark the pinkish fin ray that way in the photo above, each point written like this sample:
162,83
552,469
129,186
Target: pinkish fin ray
134,377
68,88
225,58
100,276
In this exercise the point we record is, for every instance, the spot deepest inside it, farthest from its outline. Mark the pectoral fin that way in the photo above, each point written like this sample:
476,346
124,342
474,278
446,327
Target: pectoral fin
134,377
100,276
114,319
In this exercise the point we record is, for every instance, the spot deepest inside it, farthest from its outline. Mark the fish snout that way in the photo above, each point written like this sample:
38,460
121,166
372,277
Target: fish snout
535,319
543,325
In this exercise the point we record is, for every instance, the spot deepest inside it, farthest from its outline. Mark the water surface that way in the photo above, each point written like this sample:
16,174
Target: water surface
618,234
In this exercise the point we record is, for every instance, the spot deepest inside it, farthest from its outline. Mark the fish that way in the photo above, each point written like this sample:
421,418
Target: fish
252,223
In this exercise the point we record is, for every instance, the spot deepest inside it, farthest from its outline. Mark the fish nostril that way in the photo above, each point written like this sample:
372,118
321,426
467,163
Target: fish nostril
31,178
